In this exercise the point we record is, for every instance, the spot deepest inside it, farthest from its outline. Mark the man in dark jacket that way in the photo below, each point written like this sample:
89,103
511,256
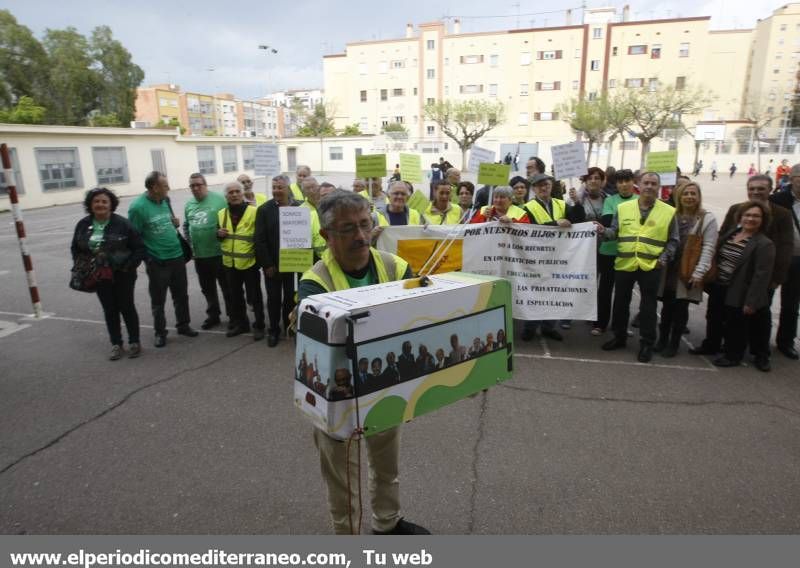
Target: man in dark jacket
280,285
790,288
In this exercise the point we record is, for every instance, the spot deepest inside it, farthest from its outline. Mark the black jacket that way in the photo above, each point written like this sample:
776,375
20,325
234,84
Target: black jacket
749,285
267,235
122,248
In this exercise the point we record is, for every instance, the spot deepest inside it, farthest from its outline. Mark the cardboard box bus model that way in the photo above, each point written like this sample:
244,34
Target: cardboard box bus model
377,356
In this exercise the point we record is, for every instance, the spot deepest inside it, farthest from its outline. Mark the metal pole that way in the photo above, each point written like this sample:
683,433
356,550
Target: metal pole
16,211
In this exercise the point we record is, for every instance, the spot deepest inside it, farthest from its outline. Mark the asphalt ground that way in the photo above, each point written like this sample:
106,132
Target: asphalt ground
202,437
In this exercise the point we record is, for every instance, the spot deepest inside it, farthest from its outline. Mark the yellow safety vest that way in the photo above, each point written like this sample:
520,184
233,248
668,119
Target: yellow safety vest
328,274
317,241
540,214
639,245
513,212
414,218
261,199
238,248
450,217
297,193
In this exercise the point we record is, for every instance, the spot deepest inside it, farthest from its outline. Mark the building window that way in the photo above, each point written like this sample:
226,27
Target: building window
783,27
110,165
576,85
447,61
336,153
363,96
684,50
446,90
206,163
637,49
558,54
613,50
523,89
430,101
384,94
248,158
545,116
431,130
655,51
229,159
595,65
597,33
471,59
398,64
577,53
612,83
415,90
628,145
470,89
652,84
634,83
399,119
398,92
494,60
59,168
431,44
17,175
523,119
430,73
493,89
384,121
593,96
525,58
552,86
673,145
680,83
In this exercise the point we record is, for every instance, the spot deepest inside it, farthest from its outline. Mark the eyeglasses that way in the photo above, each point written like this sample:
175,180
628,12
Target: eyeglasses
351,229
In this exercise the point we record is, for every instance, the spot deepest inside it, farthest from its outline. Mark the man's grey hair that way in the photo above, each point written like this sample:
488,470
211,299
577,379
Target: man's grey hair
310,179
282,178
761,177
503,191
658,176
337,201
302,167
399,183
235,184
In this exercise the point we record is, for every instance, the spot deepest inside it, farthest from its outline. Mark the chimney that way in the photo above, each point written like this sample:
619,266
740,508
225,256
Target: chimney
409,30
569,18
456,26
626,13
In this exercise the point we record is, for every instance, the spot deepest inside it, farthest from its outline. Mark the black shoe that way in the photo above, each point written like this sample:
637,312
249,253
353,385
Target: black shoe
405,527
725,362
789,351
258,334
188,331
236,330
613,344
552,334
160,341
645,353
210,323
762,364
660,344
669,351
272,340
702,350
527,334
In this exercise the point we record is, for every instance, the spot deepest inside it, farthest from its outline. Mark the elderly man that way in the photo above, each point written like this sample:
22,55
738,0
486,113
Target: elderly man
200,228
280,285
302,172
325,188
790,289
350,262
647,237
151,215
781,232
237,224
250,196
312,196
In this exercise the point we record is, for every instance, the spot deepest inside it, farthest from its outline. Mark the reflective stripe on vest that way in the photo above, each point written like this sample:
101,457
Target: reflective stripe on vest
540,214
640,245
328,274
238,249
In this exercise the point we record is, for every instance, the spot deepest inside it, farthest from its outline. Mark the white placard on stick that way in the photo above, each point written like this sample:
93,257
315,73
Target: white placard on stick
295,227
478,156
266,160
569,160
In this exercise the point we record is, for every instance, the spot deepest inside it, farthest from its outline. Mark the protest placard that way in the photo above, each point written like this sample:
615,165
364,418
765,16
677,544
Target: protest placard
663,163
493,174
295,260
266,160
294,239
478,156
418,201
569,160
411,168
371,165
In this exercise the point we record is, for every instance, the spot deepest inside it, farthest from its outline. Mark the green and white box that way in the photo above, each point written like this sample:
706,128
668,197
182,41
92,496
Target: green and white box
425,348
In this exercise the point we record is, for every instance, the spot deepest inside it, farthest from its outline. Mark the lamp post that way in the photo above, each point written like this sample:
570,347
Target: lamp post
269,51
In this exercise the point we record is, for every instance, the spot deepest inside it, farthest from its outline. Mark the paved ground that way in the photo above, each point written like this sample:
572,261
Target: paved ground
202,437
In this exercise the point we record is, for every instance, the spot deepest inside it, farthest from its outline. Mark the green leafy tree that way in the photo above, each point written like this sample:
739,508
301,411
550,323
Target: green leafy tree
23,62
318,123
394,127
26,112
465,122
588,118
100,119
119,75
352,130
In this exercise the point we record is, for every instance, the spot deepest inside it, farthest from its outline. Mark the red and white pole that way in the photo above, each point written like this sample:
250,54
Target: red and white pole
16,211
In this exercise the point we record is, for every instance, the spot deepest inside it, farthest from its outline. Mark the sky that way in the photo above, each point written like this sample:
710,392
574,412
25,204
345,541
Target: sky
211,46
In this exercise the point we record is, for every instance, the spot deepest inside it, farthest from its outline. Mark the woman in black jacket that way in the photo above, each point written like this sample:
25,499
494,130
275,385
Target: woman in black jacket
116,249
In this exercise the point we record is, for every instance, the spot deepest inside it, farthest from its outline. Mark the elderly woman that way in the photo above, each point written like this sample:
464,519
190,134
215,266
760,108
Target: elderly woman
501,209
676,293
544,209
442,211
466,192
111,244
521,187
740,294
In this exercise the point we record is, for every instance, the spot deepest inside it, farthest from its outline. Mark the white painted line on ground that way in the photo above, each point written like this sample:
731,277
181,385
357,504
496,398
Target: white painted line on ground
30,317
545,347
9,327
614,362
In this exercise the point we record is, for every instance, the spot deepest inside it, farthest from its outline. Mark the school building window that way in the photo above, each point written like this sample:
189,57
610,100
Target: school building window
59,168
229,159
206,162
110,165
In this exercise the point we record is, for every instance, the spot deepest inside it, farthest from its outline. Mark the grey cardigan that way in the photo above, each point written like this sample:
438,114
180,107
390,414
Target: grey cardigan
749,285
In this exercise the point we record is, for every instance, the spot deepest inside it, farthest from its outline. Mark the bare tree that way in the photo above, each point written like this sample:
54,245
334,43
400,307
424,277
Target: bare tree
760,115
619,120
465,122
587,118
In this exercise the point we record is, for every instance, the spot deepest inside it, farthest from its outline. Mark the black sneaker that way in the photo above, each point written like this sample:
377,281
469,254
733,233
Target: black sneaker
210,323
160,341
613,344
406,528
188,331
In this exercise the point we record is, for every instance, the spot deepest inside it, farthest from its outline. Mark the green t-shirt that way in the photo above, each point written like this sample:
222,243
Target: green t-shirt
98,234
201,217
610,208
153,221
365,280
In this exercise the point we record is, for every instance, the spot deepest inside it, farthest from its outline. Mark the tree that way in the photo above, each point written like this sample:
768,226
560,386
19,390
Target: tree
588,118
654,111
97,118
318,123
465,122
23,62
26,112
352,130
760,116
394,127
619,122
120,76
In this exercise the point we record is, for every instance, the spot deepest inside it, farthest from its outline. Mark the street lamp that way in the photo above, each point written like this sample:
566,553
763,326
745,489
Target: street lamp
270,51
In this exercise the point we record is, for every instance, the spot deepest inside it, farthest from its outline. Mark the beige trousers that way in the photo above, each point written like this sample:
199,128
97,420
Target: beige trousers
383,451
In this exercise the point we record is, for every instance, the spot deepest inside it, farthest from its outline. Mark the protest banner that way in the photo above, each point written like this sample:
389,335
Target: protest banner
478,156
418,201
411,168
552,270
569,160
266,160
494,174
294,239
664,164
371,165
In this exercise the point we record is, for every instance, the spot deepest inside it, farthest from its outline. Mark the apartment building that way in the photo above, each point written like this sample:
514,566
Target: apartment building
157,103
533,71
309,98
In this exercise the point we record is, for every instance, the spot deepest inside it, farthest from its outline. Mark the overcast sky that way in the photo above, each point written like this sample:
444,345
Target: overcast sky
212,45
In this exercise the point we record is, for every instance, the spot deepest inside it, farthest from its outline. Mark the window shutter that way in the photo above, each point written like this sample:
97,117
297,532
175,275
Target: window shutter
536,116
555,116
538,86
557,86
559,53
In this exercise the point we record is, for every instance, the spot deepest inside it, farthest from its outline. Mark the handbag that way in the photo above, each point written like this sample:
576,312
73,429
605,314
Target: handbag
692,249
185,246
85,275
